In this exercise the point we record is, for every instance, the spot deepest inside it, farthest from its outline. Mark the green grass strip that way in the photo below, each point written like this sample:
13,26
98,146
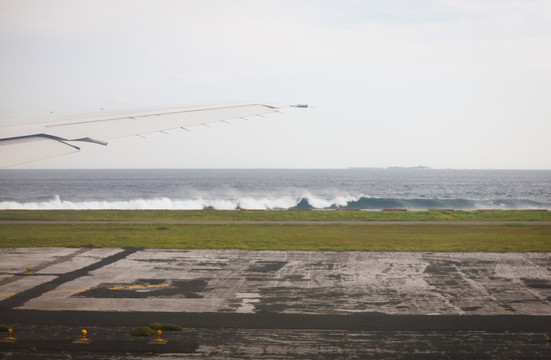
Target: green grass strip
331,237
275,215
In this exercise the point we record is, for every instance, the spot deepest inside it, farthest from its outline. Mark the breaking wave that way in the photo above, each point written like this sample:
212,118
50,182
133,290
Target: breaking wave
361,202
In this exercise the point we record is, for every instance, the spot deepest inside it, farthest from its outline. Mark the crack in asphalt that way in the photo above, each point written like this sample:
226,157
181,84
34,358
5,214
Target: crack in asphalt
21,298
44,265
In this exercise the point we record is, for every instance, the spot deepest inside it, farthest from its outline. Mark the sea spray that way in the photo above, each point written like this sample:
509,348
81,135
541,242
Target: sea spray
250,203
365,189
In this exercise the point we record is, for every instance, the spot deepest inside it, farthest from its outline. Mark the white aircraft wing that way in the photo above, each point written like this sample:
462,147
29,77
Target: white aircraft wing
23,143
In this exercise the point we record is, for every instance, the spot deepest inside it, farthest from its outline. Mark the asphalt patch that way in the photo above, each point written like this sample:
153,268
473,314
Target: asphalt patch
191,289
537,283
24,296
267,266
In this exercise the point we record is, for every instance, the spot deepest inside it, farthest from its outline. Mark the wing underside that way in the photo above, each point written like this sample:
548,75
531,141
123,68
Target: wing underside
25,143
26,149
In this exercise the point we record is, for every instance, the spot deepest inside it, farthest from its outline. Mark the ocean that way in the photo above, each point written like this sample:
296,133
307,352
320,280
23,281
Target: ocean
366,189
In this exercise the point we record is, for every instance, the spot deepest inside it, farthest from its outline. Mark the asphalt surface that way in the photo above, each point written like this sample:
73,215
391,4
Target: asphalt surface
275,304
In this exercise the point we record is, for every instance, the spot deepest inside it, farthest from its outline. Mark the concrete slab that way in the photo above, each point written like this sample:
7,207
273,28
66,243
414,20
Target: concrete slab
45,265
21,283
79,260
294,282
16,260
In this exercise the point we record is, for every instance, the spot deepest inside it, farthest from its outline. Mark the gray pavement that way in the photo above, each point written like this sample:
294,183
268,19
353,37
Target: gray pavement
312,300
283,281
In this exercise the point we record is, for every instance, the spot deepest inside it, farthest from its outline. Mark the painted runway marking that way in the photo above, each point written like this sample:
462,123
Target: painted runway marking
67,291
124,287
137,287
22,297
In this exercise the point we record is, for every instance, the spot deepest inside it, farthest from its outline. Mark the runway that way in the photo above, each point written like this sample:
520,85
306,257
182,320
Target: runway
239,304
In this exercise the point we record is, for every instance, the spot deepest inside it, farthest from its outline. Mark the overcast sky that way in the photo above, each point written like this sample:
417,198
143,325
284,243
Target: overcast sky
444,84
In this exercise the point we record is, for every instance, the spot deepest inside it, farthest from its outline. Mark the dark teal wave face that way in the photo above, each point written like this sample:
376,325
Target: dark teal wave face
364,203
389,203
368,189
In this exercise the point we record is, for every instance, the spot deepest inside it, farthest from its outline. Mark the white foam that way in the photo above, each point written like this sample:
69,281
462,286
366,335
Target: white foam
220,201
56,203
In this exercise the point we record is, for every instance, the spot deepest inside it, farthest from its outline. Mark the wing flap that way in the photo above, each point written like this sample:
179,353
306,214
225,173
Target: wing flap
147,122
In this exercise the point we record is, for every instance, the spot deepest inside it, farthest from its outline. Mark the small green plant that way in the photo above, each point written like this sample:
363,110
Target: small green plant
143,331
88,246
166,327
153,327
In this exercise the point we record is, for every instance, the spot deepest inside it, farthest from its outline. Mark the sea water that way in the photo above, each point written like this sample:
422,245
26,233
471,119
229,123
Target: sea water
368,189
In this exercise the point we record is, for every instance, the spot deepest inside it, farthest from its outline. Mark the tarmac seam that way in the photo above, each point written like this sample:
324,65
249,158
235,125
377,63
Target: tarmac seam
44,265
267,320
21,298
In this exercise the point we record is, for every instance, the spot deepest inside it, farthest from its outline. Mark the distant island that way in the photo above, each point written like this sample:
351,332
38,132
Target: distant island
419,167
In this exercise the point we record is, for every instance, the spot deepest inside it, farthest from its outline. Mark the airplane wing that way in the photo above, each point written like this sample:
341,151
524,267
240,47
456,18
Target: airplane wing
24,143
